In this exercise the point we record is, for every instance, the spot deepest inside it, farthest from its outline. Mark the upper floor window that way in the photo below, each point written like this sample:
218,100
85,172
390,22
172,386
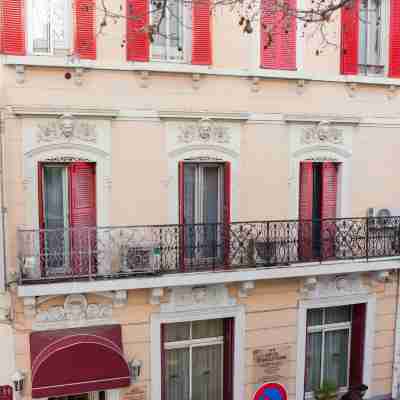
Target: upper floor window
50,24
173,41
371,37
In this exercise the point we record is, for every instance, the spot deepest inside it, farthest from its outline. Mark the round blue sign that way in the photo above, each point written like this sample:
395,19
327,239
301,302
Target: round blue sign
270,391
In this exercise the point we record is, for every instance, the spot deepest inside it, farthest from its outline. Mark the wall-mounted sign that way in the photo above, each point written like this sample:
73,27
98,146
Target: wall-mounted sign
271,391
271,364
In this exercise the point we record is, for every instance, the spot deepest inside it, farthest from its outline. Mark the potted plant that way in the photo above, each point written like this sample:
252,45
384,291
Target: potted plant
327,391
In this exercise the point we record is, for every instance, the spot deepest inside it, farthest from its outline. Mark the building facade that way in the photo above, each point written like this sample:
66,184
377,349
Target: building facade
187,218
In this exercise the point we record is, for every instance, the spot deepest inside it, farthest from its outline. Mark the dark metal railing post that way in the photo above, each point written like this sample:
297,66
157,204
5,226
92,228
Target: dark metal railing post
160,267
367,239
268,247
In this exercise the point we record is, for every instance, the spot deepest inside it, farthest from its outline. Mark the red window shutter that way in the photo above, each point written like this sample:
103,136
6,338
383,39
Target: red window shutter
305,210
357,344
137,40
85,29
349,38
13,27
278,49
394,39
229,357
201,32
82,216
328,208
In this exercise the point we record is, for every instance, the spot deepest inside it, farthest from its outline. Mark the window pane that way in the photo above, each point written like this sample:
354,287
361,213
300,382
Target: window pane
41,25
60,29
208,328
337,314
176,332
314,316
313,361
177,374
207,373
363,33
335,362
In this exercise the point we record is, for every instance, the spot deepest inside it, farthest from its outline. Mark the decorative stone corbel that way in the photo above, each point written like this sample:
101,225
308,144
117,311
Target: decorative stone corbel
309,285
382,276
300,86
245,288
144,79
196,81
29,306
78,76
20,74
255,80
351,89
155,295
120,298
391,92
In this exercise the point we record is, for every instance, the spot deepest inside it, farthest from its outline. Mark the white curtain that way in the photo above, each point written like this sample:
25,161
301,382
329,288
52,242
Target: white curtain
177,374
313,361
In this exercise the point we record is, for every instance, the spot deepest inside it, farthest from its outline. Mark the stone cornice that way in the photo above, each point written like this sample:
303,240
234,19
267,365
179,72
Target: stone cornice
336,119
52,111
188,114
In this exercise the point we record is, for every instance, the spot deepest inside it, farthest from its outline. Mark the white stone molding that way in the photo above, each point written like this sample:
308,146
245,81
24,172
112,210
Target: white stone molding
205,139
155,295
66,139
144,79
333,286
29,306
78,76
382,276
322,133
300,86
197,298
316,118
188,313
196,81
351,88
323,140
346,299
57,111
76,311
179,114
392,92
255,84
245,288
120,298
66,128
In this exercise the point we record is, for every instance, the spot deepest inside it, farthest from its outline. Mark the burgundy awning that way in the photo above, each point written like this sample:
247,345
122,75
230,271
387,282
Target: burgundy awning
80,360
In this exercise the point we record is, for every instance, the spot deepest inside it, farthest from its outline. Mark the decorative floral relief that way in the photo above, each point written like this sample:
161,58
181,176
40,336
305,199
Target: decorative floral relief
67,128
75,309
205,131
323,132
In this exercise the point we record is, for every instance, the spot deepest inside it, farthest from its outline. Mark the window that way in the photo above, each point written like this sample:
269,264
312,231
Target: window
197,358
50,26
172,43
67,208
371,37
335,346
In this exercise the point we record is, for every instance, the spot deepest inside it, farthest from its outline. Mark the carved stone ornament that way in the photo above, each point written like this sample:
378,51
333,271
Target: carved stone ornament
333,286
204,131
323,132
66,128
76,310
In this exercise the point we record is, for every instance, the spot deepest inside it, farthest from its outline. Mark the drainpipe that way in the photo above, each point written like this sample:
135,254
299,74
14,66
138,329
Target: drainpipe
396,351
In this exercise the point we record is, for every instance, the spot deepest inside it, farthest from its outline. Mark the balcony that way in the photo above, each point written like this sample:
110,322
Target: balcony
103,253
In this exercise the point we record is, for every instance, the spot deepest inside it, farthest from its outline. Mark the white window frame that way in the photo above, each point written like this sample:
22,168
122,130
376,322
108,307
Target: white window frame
305,305
384,40
324,328
192,343
237,312
52,47
185,25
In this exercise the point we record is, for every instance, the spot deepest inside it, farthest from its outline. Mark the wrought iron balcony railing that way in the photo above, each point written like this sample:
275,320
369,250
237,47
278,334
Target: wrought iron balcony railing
99,252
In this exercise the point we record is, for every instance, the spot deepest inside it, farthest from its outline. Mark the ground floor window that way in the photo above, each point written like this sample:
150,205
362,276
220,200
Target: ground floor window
335,346
83,396
197,360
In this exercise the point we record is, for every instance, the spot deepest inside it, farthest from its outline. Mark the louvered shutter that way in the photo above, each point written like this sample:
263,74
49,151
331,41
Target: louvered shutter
328,208
357,344
201,32
137,40
305,210
82,216
229,358
278,37
85,29
13,27
394,39
227,212
349,38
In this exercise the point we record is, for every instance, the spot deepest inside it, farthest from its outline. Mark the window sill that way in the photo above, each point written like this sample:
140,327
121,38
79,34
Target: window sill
179,67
